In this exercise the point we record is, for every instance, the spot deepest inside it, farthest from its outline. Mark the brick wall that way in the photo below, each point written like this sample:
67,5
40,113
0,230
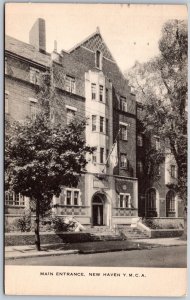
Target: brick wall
19,94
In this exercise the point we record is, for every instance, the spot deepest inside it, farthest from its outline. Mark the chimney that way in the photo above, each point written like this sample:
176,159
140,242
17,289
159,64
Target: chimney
37,35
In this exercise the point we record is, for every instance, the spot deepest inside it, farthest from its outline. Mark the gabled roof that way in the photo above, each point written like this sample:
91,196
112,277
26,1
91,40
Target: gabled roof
26,50
94,42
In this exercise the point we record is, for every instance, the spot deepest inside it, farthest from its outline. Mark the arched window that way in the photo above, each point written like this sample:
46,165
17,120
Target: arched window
98,59
170,204
151,203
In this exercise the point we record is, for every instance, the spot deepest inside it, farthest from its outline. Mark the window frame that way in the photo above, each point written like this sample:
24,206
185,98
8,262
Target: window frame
34,75
101,155
123,200
14,202
94,123
33,108
123,136
98,59
70,84
123,104
72,198
101,93
101,124
123,166
173,171
71,109
93,91
107,96
107,126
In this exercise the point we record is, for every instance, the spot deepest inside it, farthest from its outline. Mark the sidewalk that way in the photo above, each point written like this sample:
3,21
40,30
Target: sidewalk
14,252
166,242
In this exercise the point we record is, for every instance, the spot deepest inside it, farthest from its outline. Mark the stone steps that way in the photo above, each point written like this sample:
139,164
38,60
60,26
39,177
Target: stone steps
103,233
134,233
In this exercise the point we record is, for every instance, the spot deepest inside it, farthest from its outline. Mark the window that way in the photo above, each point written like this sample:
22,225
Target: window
93,91
107,96
123,132
71,111
72,196
123,104
123,160
70,84
107,127
93,123
6,102
139,140
101,124
151,200
173,171
14,199
124,201
34,75
98,62
76,197
170,203
121,204
101,155
101,91
157,139
33,108
139,166
68,198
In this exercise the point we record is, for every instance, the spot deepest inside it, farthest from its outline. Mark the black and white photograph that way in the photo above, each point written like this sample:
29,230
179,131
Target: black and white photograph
95,149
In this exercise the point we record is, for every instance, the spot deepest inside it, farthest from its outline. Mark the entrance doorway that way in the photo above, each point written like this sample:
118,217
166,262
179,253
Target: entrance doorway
97,211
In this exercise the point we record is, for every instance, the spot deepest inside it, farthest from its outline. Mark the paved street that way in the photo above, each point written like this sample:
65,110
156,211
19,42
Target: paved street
174,256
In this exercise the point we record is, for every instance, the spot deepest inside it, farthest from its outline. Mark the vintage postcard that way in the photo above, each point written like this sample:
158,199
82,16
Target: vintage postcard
95,99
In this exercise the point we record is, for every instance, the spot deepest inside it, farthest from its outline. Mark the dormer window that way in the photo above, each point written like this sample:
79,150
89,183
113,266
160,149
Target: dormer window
98,60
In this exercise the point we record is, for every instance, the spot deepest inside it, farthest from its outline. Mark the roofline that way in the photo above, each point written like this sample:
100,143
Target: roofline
9,36
83,41
13,54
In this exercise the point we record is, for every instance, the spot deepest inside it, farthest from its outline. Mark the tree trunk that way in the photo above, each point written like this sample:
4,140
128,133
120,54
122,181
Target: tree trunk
37,221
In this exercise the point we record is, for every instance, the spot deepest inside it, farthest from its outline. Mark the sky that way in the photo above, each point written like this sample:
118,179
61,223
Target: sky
131,32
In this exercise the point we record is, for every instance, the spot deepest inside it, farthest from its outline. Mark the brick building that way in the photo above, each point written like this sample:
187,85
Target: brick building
156,198
90,85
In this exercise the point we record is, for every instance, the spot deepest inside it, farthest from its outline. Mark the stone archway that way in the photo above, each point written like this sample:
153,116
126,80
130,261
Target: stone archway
99,209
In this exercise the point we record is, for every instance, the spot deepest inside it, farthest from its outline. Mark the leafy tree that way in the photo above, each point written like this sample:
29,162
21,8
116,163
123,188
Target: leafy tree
41,156
161,85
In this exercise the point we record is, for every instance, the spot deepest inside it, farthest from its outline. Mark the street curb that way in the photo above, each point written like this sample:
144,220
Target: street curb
108,250
65,252
144,246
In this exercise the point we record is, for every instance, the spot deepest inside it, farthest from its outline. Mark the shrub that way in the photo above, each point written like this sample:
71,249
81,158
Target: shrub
58,224
24,223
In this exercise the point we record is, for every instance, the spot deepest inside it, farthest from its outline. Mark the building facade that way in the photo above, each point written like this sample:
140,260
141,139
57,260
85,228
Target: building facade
156,198
89,85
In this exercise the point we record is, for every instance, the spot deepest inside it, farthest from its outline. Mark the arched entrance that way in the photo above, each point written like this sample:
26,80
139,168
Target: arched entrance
151,203
170,204
98,209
